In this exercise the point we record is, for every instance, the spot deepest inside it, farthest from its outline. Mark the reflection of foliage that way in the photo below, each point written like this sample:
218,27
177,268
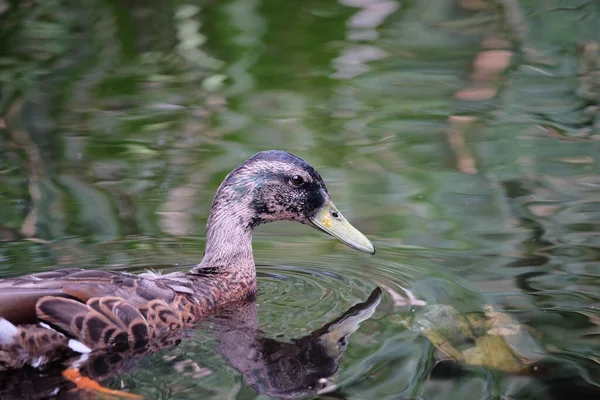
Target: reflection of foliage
104,92
35,38
589,81
14,186
190,38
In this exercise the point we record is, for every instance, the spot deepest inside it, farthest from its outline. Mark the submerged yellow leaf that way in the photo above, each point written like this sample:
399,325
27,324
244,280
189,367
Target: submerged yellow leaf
493,352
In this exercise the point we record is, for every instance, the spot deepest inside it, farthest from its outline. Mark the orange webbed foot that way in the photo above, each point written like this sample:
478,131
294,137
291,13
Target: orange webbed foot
89,385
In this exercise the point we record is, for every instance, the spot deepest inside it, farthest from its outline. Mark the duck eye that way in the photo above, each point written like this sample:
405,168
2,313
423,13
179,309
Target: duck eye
297,180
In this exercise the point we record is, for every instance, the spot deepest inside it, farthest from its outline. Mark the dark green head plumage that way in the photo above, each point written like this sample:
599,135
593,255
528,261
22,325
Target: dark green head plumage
273,186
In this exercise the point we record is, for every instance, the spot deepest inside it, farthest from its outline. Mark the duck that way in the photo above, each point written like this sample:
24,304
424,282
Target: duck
45,316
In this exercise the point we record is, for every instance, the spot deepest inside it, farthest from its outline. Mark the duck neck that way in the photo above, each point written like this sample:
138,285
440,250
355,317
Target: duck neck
228,248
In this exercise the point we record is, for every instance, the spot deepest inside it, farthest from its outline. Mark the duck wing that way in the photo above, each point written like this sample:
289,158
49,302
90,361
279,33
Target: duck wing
101,309
19,295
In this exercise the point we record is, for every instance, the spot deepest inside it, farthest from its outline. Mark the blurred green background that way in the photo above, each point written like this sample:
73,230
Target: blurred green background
461,136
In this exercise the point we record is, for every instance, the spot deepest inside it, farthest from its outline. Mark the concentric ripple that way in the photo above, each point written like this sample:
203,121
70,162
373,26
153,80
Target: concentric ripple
294,299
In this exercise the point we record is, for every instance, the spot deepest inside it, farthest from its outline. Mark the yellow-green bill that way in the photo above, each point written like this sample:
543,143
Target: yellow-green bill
331,221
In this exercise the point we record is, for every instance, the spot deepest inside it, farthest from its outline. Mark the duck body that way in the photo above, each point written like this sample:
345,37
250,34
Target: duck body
103,310
44,316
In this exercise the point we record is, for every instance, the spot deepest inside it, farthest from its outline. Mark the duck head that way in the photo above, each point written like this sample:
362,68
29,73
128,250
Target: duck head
279,186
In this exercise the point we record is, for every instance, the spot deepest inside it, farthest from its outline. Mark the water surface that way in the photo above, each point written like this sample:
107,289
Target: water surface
461,137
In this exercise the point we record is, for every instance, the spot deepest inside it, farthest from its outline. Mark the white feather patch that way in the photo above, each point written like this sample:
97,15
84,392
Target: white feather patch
46,326
37,361
8,331
80,361
79,347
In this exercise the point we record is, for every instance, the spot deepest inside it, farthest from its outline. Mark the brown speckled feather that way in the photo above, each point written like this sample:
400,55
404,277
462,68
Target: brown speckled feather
100,309
33,345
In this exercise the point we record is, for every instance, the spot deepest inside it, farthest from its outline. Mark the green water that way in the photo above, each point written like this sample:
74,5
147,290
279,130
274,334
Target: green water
121,119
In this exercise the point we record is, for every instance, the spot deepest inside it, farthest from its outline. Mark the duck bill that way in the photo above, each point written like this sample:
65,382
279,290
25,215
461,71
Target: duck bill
329,220
348,323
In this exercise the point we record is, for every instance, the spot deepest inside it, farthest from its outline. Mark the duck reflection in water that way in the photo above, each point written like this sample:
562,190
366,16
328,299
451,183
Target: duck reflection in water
279,369
289,369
